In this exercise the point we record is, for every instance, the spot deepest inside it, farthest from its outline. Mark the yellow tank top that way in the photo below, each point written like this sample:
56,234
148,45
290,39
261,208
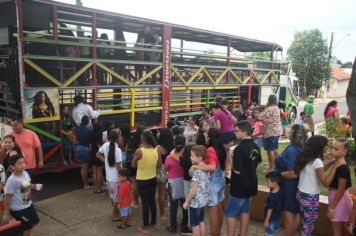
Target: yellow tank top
147,166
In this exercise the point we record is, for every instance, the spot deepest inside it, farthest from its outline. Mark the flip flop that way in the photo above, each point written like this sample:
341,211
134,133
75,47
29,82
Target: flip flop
99,191
115,219
128,225
143,230
121,226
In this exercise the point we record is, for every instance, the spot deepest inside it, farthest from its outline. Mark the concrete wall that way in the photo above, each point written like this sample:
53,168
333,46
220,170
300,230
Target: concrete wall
322,227
337,88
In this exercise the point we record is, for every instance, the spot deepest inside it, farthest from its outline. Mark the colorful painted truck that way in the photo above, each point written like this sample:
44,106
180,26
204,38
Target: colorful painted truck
136,71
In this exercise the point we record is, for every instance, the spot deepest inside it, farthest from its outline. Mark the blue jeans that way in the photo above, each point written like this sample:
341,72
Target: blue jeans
235,206
272,228
271,143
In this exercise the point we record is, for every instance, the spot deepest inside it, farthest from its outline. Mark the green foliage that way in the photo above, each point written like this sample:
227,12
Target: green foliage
260,55
352,149
346,65
309,55
329,127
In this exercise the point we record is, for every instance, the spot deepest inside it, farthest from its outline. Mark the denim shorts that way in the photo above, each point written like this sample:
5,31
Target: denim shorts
235,206
271,143
272,228
125,211
83,154
196,216
216,193
259,142
226,138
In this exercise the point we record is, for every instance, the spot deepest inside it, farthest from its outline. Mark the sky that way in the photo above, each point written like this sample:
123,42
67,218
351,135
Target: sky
273,20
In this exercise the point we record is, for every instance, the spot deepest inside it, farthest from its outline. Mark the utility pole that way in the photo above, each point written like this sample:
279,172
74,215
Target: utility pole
331,45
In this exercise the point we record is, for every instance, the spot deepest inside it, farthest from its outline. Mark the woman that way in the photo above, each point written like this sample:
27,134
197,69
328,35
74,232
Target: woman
285,162
82,149
164,147
215,163
67,123
331,110
146,161
272,128
202,133
224,122
133,144
123,140
96,142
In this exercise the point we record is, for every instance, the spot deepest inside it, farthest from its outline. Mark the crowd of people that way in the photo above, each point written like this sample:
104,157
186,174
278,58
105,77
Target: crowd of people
195,165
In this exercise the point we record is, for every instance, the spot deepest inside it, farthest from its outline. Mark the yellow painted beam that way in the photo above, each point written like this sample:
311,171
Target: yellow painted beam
235,76
208,75
111,112
43,119
195,75
180,77
113,73
222,76
266,77
187,104
149,74
77,74
42,72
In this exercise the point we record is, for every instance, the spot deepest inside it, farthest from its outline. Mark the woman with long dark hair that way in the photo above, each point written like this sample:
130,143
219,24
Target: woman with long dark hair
164,147
133,144
310,168
331,110
42,107
12,148
215,163
110,154
146,160
285,163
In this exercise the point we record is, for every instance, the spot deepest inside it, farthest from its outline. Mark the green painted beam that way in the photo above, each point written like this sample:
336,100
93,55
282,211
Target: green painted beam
42,132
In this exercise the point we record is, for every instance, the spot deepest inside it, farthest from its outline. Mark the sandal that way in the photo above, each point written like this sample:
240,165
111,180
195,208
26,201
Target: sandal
142,230
120,226
116,219
99,191
128,225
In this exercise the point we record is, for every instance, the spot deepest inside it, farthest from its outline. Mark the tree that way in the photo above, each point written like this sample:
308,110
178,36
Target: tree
346,65
309,56
351,99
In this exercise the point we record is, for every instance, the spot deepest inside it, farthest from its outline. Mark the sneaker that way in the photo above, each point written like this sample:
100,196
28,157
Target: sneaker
171,230
186,231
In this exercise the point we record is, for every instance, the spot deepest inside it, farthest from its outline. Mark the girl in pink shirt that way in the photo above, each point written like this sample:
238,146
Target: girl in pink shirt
258,131
176,184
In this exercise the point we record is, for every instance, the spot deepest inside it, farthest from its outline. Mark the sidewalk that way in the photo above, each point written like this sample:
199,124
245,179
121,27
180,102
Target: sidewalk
83,213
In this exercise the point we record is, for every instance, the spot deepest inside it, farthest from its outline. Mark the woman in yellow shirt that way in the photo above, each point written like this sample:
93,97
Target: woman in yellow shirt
146,160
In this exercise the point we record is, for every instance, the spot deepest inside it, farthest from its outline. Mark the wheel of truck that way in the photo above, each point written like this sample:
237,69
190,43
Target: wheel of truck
292,115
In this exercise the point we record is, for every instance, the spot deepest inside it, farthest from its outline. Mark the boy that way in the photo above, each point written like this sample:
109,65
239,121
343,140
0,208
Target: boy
18,202
273,207
243,184
198,196
309,111
124,196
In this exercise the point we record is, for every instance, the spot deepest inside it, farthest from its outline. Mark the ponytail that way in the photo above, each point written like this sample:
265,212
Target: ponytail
113,137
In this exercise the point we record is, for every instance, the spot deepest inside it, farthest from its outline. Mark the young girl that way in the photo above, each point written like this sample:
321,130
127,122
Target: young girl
97,165
11,149
258,131
285,122
199,193
202,132
124,196
18,203
176,185
340,203
110,154
310,168
164,147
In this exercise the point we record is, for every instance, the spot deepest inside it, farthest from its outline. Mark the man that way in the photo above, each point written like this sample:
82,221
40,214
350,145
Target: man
82,109
29,143
309,111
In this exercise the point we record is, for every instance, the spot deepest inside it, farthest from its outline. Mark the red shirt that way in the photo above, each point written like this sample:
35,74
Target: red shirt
125,194
211,158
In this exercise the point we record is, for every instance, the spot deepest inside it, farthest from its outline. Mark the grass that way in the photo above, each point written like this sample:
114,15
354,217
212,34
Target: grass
262,169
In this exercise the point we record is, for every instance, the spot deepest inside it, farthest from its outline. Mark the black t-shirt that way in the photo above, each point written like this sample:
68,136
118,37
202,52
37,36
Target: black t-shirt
274,202
245,160
186,163
342,172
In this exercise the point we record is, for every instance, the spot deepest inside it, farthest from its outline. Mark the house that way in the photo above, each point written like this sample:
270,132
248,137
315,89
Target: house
339,80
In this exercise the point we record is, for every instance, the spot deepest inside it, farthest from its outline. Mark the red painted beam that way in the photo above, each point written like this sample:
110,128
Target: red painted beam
51,152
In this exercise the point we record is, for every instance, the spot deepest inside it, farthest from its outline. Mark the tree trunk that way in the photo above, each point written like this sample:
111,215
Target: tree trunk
351,99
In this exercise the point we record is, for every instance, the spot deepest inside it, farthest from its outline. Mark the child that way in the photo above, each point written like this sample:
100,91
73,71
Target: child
285,122
340,203
202,132
302,120
18,202
198,196
176,184
124,197
309,111
243,184
258,131
273,207
110,154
